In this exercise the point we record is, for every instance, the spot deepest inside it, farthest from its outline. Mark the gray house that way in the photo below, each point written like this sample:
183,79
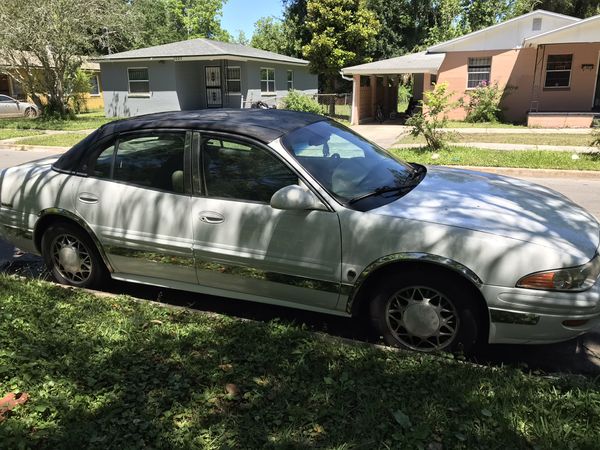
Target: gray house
198,74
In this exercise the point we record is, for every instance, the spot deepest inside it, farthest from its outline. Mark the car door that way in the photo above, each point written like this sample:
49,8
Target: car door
137,201
8,107
242,244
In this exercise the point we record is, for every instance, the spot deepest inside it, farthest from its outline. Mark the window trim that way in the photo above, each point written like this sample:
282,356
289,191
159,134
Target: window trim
198,168
267,92
227,80
97,77
115,140
488,72
138,94
290,72
546,70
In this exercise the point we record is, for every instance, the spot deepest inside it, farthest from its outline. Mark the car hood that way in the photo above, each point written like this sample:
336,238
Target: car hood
500,206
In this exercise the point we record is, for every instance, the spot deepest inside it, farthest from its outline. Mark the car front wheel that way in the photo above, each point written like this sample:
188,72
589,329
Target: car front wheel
30,113
72,257
426,311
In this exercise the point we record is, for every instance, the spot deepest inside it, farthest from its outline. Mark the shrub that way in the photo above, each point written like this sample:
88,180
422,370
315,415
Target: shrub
596,138
296,101
433,117
79,89
484,103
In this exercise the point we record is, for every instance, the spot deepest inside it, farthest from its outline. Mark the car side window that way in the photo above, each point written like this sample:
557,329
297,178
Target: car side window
151,160
242,171
5,99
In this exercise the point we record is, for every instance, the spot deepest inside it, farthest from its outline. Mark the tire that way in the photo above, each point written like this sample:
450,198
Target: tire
30,113
72,257
427,311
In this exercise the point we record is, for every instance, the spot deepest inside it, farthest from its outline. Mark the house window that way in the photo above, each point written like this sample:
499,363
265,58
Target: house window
558,71
139,83
479,72
234,80
94,85
267,80
290,79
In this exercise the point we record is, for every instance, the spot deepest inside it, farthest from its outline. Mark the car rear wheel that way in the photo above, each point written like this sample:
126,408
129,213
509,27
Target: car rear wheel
72,257
426,311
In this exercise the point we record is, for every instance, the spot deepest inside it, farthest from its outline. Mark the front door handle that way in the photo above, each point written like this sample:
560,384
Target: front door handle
211,217
88,198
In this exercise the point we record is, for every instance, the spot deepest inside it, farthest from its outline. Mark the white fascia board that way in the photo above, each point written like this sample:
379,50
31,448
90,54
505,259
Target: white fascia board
546,38
441,47
198,58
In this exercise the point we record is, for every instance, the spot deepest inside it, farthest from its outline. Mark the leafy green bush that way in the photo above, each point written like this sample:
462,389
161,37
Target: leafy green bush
596,138
484,103
79,88
297,101
433,117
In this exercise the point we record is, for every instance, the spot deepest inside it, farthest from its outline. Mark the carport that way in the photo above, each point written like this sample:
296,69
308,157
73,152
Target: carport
376,83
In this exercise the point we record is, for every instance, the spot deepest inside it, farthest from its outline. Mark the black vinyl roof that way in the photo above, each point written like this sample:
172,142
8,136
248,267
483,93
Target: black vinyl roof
264,125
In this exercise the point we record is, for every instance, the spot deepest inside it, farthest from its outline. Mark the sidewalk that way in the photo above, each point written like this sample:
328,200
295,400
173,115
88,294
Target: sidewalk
510,147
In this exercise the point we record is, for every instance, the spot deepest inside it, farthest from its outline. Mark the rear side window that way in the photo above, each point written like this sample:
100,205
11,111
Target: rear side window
149,160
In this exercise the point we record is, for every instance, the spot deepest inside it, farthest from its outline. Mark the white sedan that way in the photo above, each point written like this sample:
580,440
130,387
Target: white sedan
294,209
10,107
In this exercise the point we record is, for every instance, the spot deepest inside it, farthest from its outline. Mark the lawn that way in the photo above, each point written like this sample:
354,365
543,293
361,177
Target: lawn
53,140
86,121
530,139
9,134
115,373
532,159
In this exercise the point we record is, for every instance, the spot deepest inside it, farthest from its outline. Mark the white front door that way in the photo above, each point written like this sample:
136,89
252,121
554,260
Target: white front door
242,244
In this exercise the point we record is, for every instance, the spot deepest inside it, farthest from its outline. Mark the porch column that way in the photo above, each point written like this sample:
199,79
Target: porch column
427,82
386,97
355,118
373,83
395,83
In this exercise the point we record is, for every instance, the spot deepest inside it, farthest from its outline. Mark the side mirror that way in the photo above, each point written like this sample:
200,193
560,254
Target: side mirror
296,197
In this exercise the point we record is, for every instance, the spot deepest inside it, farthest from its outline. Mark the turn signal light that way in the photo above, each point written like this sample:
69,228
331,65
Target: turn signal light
543,280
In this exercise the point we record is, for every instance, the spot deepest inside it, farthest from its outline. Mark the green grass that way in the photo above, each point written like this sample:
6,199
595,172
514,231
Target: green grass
114,373
9,134
532,159
461,124
530,139
87,121
53,140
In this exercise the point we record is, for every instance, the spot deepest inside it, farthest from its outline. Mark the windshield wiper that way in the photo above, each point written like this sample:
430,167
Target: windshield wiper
381,190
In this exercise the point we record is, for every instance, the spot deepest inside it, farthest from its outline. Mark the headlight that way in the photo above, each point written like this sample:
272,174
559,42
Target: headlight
572,279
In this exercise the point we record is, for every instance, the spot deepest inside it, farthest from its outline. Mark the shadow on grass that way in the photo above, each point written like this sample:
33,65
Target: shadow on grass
110,373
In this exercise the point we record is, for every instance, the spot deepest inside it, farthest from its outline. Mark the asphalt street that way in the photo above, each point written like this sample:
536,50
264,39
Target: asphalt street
581,355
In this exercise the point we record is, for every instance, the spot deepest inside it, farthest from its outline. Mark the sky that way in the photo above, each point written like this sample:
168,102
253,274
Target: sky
241,14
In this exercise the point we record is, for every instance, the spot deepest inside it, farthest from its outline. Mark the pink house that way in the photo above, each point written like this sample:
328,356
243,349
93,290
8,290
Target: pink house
548,62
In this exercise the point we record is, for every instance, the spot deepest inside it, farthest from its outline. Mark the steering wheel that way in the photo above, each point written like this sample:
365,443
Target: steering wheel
335,156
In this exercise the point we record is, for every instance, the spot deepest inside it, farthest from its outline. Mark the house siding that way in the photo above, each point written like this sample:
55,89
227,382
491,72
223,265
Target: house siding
579,97
176,86
119,103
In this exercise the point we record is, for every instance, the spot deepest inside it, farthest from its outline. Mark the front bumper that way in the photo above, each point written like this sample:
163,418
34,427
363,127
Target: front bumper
525,316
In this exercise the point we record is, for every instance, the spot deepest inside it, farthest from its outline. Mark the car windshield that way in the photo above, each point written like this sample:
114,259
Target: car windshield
347,165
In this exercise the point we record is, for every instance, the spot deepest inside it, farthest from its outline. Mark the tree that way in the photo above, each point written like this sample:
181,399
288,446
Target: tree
576,8
269,35
294,24
44,44
404,25
165,21
241,38
342,32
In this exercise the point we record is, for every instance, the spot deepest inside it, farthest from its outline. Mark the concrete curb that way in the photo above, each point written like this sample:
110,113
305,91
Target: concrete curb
33,148
535,173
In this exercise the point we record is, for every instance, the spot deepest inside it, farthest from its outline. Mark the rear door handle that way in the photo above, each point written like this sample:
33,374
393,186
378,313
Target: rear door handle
88,198
211,217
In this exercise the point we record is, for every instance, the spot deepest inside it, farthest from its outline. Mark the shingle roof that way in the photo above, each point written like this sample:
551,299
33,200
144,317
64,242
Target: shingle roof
421,62
198,48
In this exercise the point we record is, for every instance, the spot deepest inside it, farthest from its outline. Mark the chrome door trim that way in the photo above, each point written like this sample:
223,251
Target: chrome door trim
409,256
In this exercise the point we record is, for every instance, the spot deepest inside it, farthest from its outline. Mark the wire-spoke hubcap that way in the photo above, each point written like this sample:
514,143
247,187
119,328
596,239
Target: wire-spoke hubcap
71,258
422,318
